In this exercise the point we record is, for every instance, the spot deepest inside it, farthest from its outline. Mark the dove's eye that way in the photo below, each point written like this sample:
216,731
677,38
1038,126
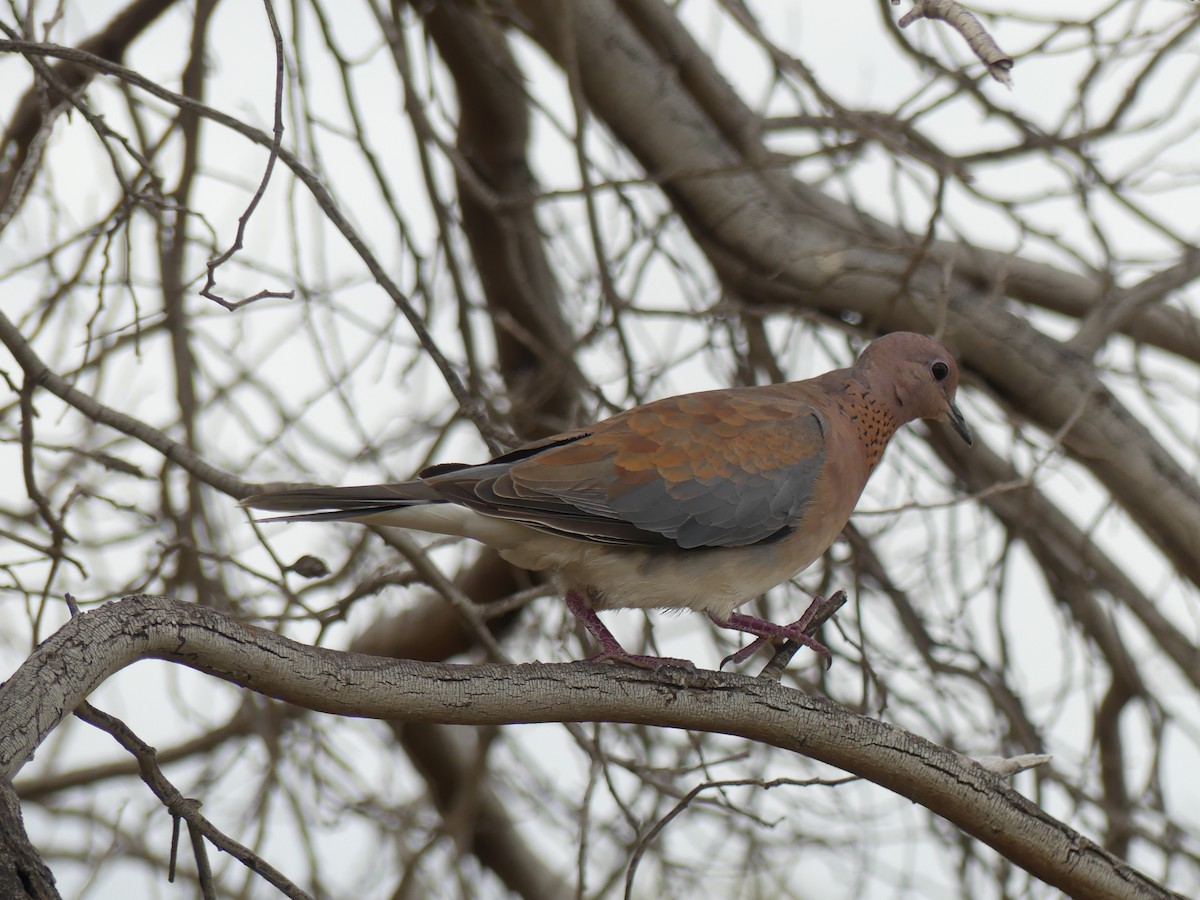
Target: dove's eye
940,371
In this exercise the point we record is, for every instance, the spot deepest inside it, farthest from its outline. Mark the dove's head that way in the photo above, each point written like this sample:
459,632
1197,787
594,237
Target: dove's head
918,376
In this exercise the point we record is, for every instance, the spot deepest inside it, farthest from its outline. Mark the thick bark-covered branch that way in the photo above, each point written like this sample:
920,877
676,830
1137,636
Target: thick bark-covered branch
72,663
22,871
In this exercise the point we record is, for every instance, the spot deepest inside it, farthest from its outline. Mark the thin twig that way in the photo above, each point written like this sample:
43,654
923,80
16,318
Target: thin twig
470,406
695,792
963,21
774,669
181,807
244,219
436,579
38,373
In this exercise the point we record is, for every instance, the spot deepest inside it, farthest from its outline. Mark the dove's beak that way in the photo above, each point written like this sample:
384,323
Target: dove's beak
955,417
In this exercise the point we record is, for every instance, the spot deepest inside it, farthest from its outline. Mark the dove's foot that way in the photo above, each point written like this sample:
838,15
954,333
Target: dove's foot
610,647
768,633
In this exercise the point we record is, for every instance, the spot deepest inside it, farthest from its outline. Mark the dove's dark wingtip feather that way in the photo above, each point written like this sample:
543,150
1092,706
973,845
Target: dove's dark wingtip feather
331,515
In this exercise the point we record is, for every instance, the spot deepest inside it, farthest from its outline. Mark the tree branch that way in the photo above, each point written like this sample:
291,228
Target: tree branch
39,374
320,194
963,21
72,663
22,871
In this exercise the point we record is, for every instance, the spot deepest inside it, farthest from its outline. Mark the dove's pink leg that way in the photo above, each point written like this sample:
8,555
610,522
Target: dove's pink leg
610,647
766,631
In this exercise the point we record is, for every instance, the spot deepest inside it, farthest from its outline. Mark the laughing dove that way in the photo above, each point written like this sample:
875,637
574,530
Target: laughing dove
701,501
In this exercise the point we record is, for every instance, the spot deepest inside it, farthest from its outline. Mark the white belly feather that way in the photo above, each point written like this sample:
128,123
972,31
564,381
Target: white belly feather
716,580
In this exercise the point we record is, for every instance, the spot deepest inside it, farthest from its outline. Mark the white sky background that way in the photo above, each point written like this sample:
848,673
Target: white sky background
848,49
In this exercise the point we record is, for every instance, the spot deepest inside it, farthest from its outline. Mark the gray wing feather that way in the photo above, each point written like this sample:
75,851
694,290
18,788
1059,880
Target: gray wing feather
607,486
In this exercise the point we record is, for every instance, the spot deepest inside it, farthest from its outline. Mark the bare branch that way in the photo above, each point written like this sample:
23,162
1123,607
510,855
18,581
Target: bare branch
22,871
469,405
187,809
244,218
89,648
38,373
963,21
